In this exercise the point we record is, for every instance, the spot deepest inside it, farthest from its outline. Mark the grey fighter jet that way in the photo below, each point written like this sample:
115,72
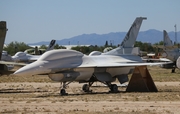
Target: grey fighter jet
68,65
171,52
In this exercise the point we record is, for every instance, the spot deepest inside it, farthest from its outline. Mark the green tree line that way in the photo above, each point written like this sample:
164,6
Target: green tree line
14,47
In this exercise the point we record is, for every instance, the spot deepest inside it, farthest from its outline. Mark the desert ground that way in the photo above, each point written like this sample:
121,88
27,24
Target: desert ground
38,94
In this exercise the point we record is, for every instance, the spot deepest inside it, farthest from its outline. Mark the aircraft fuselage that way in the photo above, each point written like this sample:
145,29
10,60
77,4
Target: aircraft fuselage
66,65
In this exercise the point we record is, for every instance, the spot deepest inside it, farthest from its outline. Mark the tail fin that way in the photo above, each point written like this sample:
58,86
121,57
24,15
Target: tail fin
127,44
51,45
131,35
170,51
167,40
3,30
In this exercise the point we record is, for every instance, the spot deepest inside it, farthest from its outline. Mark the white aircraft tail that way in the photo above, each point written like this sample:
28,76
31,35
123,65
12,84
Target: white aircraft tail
127,44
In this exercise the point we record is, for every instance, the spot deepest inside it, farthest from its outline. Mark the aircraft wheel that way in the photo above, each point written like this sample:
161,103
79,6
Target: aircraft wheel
114,88
173,70
85,88
63,92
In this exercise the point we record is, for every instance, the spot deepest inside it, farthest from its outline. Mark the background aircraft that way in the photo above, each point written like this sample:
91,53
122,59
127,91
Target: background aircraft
24,57
68,65
5,56
171,52
38,51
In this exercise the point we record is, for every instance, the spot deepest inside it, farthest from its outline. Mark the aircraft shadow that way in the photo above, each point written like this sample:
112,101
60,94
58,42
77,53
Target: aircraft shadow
19,90
11,91
79,94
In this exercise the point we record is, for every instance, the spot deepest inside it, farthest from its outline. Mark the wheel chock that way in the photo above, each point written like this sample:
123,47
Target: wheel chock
141,81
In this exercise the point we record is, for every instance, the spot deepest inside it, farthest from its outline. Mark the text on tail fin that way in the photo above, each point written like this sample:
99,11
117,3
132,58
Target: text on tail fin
131,35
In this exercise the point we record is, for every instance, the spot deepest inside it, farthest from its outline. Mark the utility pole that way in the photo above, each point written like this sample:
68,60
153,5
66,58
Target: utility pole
176,42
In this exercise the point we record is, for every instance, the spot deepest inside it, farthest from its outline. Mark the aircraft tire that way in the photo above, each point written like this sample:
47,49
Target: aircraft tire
114,88
85,88
63,92
173,70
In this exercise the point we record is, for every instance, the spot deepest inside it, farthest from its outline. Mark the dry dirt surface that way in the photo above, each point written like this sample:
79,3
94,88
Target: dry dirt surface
38,94
41,97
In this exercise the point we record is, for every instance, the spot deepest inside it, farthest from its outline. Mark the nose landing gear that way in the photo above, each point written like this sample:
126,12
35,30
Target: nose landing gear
63,87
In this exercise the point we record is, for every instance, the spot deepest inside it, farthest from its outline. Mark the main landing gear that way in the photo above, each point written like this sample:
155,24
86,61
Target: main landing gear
113,87
86,87
173,70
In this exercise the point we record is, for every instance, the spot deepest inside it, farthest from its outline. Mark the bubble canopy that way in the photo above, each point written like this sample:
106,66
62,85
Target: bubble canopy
20,54
60,53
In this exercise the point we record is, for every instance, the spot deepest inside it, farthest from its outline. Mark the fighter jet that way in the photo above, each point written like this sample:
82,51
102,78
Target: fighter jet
5,67
171,52
67,66
24,57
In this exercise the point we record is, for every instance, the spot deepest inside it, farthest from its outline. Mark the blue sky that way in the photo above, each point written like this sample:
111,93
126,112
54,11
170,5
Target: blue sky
32,21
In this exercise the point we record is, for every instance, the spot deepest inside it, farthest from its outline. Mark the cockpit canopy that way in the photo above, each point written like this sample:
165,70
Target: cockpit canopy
59,54
19,54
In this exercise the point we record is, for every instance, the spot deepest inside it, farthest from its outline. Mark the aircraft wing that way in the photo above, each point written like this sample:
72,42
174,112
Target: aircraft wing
167,47
122,64
157,60
12,63
33,58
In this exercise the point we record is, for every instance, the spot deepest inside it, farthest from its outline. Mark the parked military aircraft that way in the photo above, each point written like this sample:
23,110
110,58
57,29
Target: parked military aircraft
171,52
5,56
38,51
24,57
68,65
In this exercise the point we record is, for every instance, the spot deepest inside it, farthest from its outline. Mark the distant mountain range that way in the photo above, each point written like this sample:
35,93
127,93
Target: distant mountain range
150,36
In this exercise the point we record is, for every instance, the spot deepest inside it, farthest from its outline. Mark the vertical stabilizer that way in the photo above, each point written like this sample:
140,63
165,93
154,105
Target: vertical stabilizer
51,45
3,30
167,40
127,44
170,51
131,35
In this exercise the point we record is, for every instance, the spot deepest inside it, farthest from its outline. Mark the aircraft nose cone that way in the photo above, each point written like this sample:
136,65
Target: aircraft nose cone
33,69
24,71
